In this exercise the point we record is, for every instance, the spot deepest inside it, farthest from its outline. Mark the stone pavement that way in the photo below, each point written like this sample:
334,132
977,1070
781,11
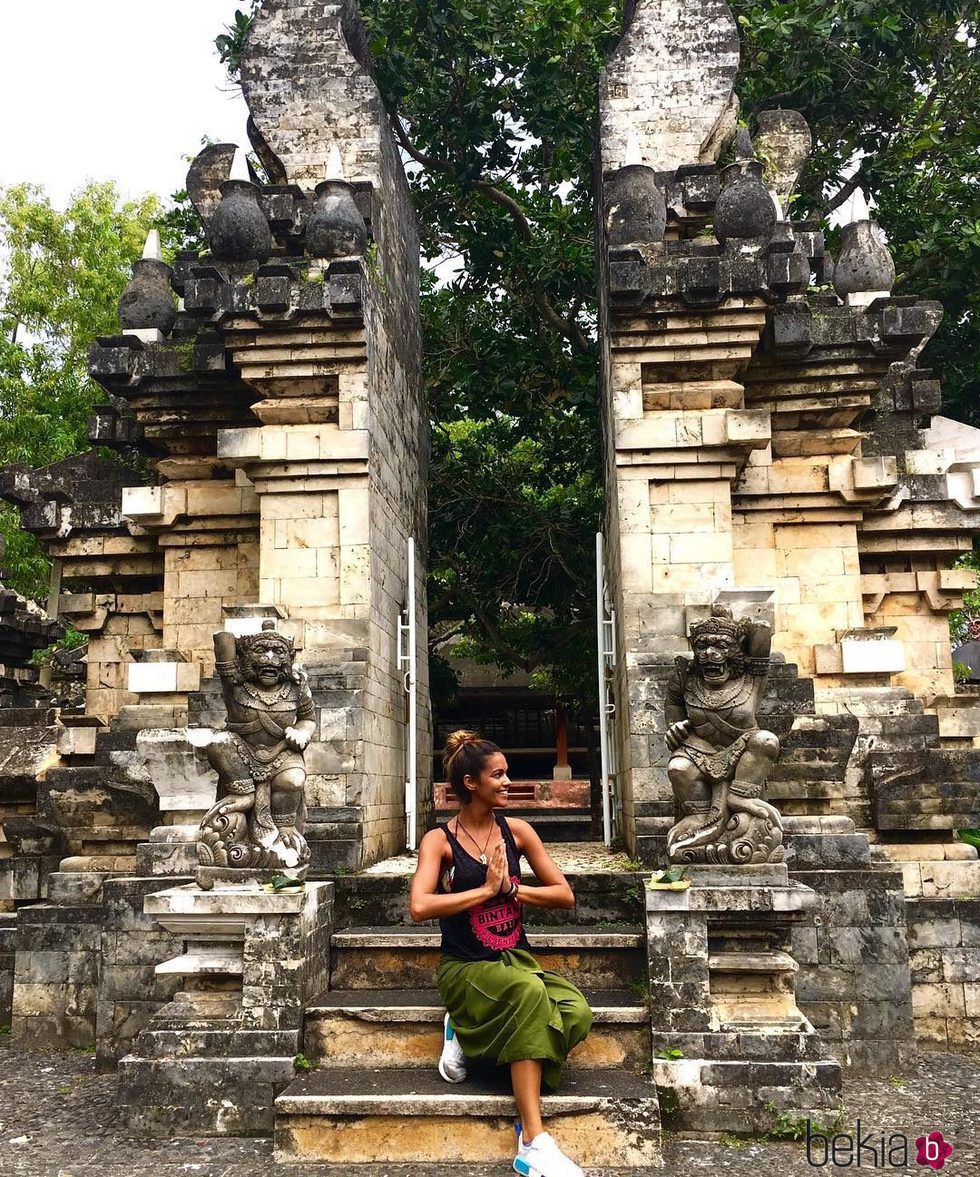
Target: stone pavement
59,1118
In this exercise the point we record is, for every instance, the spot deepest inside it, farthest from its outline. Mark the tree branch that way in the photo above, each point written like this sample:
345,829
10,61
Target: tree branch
567,327
844,193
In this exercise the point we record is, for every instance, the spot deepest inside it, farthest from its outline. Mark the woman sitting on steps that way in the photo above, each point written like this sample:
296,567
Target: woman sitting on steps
503,1007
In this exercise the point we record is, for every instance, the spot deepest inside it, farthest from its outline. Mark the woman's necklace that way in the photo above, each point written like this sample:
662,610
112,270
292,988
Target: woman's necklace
483,852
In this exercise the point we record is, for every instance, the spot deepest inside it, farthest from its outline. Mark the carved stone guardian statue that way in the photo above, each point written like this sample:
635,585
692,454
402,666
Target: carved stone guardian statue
256,826
720,758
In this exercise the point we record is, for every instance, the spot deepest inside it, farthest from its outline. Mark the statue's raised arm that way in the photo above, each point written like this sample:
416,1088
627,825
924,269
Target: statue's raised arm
720,758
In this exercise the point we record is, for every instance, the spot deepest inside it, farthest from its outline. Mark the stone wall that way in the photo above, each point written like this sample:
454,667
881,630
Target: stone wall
944,938
854,982
132,944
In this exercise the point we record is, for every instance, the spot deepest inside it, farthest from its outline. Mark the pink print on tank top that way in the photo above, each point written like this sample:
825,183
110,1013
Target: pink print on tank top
497,923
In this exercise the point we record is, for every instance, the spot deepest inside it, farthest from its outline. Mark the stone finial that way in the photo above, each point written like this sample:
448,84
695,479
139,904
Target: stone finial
745,207
147,304
864,270
206,175
336,227
635,209
238,230
670,81
784,140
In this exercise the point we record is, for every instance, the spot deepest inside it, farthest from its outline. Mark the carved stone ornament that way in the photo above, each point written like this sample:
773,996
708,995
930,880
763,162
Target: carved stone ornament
720,757
256,825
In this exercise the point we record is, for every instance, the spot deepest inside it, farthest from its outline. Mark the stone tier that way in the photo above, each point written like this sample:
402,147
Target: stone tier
404,1028
407,1116
732,1049
407,957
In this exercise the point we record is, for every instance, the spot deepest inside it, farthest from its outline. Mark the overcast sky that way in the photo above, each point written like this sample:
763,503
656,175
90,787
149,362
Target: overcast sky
112,90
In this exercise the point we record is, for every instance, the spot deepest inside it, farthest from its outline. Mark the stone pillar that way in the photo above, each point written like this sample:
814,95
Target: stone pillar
562,770
213,1060
731,1049
679,324
331,349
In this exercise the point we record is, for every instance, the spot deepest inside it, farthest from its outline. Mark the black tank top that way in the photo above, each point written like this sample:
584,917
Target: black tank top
483,932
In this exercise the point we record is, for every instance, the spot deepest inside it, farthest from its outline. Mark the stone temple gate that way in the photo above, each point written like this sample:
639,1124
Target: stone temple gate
770,478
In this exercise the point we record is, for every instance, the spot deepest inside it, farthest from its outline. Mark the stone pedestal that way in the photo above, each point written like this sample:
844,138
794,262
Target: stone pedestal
213,1059
186,786
732,1051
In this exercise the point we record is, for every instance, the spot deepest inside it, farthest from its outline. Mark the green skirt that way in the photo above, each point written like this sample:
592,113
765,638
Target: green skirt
511,1009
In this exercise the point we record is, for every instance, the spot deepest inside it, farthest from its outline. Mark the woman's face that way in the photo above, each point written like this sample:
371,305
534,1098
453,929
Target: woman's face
491,787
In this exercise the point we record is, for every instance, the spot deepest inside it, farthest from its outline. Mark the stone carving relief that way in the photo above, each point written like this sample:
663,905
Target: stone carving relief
256,825
720,757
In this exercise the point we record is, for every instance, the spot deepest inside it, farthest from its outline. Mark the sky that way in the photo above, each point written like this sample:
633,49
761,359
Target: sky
112,90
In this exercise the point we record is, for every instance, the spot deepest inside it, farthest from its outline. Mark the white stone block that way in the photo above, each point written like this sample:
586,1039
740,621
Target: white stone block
142,500
243,626
239,443
873,657
150,677
145,334
183,779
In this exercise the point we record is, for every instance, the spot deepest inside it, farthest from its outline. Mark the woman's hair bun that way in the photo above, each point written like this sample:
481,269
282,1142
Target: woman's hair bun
455,741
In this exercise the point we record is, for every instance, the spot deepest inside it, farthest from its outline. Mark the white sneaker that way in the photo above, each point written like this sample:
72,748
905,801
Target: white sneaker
452,1061
543,1158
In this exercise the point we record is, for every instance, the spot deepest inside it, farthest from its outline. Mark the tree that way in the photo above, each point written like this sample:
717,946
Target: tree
61,275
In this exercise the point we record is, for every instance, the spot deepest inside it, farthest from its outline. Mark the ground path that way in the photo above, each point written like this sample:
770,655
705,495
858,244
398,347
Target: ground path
59,1118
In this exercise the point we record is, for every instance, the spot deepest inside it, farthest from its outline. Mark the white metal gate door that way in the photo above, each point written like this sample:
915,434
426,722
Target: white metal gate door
605,665
407,662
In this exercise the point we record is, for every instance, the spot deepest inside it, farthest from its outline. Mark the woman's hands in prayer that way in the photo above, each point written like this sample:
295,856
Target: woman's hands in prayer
496,869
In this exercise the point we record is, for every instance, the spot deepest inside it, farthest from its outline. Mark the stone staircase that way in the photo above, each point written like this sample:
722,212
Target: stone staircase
373,1039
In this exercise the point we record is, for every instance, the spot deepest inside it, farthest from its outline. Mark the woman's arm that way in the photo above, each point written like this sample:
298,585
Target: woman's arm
554,890
425,904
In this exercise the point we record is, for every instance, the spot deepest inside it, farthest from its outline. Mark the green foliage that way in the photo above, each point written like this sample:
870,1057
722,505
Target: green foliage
61,274
970,837
790,1126
494,105
891,87
231,43
71,641
670,1054
964,623
302,1063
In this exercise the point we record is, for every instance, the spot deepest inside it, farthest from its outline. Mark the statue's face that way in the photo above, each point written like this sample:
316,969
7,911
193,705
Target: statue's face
713,657
267,665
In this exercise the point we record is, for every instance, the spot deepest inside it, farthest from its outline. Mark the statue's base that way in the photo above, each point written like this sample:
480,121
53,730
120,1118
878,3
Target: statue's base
212,1060
208,877
733,1051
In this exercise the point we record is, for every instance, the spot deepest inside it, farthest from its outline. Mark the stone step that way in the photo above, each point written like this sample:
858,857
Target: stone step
407,957
600,1118
403,1028
752,962
204,962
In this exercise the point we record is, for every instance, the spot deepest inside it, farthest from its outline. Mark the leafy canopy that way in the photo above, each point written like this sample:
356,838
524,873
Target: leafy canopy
61,275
